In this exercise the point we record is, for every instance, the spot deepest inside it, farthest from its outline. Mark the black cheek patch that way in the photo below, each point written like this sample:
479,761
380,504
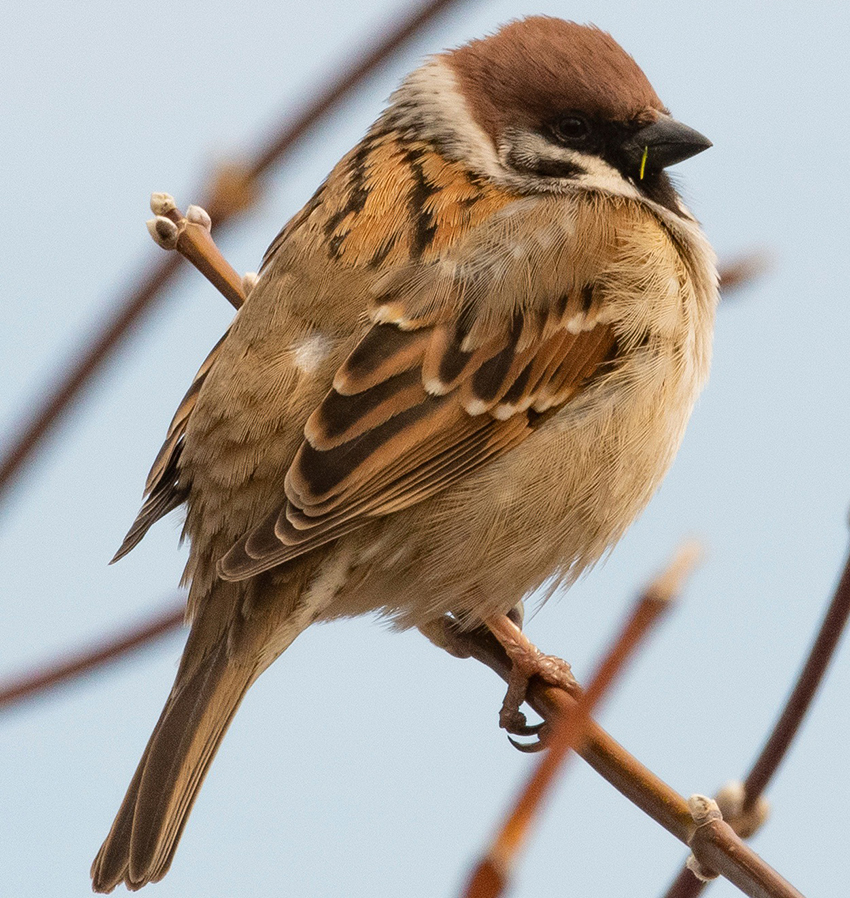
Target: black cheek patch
557,168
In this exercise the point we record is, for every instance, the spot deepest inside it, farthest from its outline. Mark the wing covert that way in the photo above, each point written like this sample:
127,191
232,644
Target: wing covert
418,406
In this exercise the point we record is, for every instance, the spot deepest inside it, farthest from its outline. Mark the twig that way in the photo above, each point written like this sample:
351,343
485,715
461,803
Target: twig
232,190
86,362
727,854
631,778
85,660
685,885
742,270
714,842
491,876
190,235
823,649
357,70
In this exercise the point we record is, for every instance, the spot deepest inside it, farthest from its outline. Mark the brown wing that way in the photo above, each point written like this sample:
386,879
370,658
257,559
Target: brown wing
417,406
163,492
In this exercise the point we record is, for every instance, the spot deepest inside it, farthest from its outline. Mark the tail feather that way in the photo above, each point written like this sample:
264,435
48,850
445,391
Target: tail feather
111,864
144,836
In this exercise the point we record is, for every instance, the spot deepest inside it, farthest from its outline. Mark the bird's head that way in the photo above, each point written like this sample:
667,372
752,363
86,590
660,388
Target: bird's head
548,106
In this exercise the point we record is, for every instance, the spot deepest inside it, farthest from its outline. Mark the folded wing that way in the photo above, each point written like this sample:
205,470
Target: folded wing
421,403
163,492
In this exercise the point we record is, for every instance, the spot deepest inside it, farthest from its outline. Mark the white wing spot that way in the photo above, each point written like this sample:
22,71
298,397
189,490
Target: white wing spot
475,407
435,386
575,325
310,352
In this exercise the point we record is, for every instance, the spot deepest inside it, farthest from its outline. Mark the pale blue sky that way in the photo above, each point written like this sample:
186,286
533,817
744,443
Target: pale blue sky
365,762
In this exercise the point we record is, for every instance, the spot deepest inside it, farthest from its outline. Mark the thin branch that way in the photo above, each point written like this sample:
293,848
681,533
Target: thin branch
714,843
686,885
190,235
35,683
492,874
85,363
812,674
727,854
631,778
232,191
357,70
743,270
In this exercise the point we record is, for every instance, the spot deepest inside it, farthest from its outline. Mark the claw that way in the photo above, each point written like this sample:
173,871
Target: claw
528,748
528,729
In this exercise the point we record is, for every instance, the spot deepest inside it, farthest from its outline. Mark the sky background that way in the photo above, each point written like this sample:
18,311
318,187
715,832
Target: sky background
367,763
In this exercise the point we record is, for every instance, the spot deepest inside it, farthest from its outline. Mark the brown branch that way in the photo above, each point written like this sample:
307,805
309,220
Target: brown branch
32,684
812,674
232,190
726,854
742,270
491,876
356,71
714,842
190,235
87,361
686,885
733,859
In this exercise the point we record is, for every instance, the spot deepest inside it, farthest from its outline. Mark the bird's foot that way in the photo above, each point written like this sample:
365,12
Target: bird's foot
527,661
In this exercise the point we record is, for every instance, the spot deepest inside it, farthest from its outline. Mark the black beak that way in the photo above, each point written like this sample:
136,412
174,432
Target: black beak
662,143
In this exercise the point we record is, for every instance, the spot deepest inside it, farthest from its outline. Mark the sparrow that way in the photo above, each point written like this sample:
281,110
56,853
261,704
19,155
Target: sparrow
463,370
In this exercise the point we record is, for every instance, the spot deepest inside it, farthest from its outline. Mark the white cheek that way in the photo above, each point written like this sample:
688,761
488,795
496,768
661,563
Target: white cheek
309,353
430,103
529,149
602,176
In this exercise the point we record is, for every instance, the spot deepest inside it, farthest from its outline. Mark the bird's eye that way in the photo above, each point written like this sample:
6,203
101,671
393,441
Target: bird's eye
571,129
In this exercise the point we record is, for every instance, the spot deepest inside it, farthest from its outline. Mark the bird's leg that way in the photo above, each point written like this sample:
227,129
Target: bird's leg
527,661
446,633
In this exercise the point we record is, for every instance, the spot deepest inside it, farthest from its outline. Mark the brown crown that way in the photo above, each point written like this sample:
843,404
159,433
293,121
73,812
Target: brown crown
533,69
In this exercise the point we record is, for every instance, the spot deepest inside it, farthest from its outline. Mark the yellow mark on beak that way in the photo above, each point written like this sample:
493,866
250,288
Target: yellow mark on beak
643,163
